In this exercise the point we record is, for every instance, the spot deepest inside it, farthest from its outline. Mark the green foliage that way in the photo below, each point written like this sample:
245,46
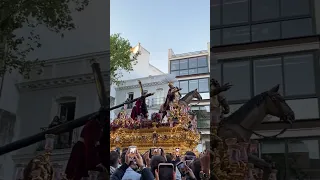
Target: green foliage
30,14
120,57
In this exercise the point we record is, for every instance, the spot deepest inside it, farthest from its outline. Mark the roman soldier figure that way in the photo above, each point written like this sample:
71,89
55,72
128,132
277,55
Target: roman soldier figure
172,96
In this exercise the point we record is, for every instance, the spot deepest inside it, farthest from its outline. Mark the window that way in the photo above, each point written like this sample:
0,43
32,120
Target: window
203,85
238,74
176,84
215,37
175,73
291,8
300,160
236,35
66,113
193,71
202,112
184,64
193,84
174,65
267,74
299,83
130,97
215,72
202,61
205,95
235,11
184,72
303,158
215,10
193,63
304,109
265,9
183,67
184,85
275,150
266,31
203,70
297,28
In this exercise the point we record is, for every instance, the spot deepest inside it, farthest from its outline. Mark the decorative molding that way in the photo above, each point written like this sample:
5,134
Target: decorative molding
89,56
144,85
57,155
59,82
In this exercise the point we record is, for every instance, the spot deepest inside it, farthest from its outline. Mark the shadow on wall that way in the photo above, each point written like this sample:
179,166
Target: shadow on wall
7,125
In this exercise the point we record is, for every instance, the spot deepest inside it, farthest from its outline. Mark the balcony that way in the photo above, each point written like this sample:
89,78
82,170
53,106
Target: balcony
155,102
62,141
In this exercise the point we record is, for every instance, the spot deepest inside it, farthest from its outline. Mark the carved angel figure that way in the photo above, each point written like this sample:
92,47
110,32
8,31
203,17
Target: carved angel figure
39,168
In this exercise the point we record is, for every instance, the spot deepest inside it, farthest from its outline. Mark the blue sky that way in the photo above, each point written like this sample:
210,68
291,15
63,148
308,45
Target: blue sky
183,25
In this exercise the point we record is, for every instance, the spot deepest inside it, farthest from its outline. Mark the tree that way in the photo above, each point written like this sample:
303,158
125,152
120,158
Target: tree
121,57
15,14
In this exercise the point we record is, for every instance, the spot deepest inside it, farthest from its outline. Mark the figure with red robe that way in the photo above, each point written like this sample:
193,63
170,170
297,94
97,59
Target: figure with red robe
140,108
85,153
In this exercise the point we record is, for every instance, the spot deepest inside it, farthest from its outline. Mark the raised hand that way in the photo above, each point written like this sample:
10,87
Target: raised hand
225,87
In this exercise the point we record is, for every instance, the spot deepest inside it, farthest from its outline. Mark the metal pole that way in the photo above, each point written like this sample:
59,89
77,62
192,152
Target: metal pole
66,127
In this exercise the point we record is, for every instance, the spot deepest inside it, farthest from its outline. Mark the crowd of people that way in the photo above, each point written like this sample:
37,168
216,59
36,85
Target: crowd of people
155,164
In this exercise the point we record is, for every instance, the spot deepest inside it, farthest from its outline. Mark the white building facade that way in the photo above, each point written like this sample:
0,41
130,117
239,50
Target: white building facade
65,85
141,69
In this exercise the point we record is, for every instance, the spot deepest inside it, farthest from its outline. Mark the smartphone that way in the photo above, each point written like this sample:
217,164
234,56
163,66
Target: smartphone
166,171
132,151
182,168
188,162
154,152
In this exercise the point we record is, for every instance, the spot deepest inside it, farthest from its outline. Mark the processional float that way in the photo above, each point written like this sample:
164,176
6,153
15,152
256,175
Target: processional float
176,134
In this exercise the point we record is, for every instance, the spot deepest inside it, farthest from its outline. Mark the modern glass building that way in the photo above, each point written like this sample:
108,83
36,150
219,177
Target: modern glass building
192,72
261,43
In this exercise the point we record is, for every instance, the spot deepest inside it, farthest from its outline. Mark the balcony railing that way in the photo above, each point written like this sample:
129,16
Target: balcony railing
155,102
62,141
152,102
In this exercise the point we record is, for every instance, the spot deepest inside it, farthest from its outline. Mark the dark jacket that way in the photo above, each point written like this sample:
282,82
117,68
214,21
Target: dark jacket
146,174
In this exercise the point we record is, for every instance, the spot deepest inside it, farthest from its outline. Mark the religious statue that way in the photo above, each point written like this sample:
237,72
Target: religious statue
172,96
140,109
219,104
85,154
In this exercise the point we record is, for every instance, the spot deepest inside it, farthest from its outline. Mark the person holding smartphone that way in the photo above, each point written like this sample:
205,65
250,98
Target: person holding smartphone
165,171
185,171
131,161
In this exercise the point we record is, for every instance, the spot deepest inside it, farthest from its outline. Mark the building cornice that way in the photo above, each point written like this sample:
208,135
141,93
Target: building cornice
144,85
57,155
88,56
59,82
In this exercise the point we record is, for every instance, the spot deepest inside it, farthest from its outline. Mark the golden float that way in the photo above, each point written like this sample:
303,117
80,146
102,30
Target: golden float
176,133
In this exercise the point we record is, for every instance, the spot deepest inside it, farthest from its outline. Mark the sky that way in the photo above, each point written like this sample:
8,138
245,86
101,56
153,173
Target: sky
182,25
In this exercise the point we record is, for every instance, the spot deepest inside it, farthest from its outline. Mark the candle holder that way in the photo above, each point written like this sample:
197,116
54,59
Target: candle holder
243,152
49,145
